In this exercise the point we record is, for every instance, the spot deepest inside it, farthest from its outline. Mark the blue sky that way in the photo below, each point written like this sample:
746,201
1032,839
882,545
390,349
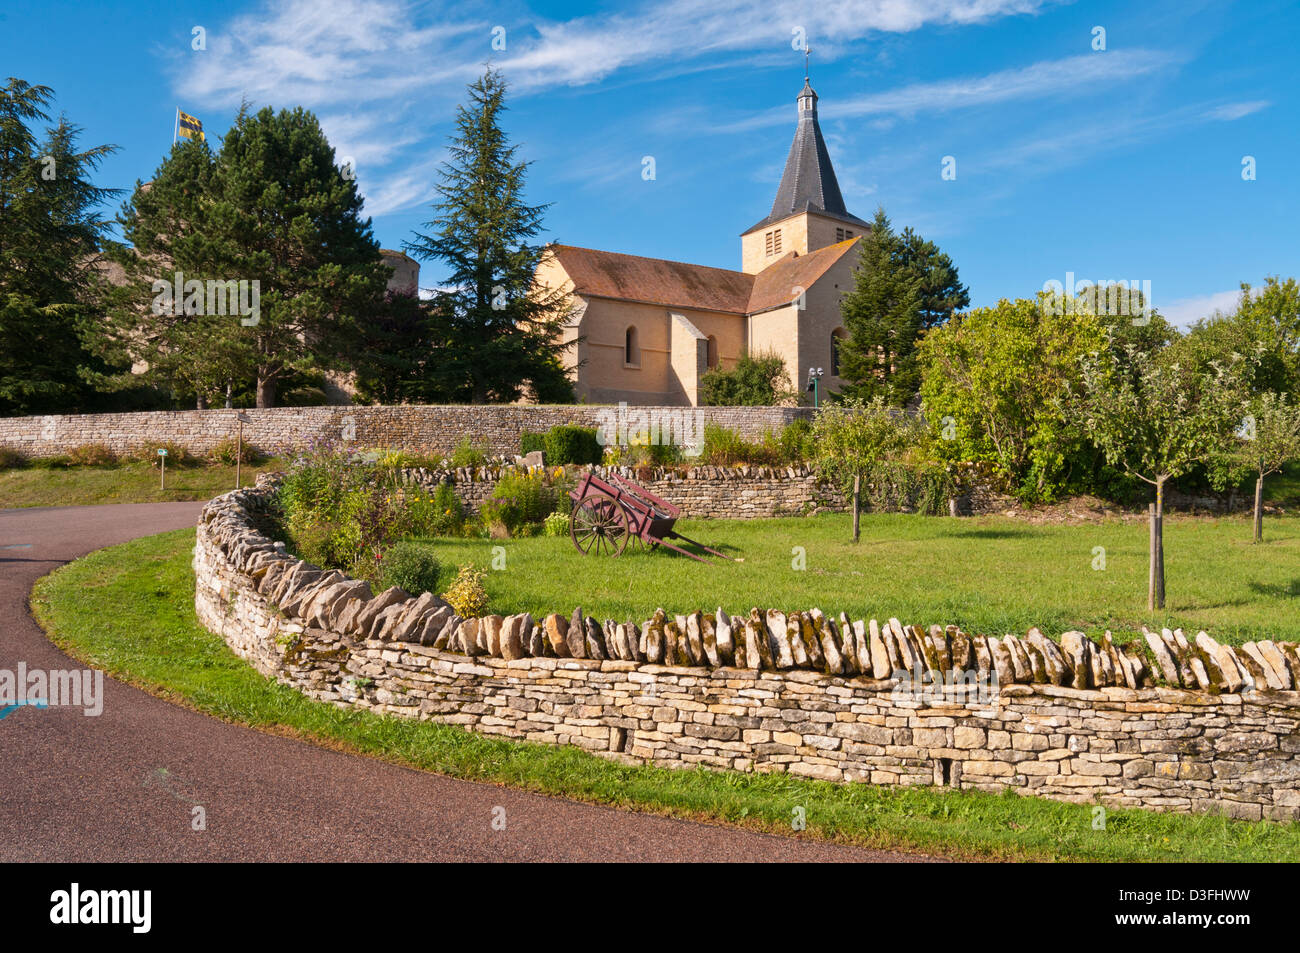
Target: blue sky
1117,164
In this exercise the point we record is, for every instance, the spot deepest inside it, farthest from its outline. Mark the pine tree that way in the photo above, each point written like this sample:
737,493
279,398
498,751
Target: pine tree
882,318
903,286
170,230
393,347
50,233
502,331
271,206
939,288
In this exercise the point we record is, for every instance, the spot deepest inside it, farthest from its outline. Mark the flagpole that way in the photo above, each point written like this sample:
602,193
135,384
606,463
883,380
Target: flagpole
177,127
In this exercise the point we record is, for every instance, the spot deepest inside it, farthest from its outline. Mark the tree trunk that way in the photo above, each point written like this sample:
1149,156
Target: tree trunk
265,391
1151,558
857,486
1160,543
1259,508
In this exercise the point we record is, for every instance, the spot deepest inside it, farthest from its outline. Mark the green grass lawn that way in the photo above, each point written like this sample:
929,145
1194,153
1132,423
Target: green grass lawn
129,610
1282,488
122,483
990,575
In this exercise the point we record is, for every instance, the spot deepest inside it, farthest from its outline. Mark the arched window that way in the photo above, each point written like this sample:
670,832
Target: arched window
712,352
631,350
837,339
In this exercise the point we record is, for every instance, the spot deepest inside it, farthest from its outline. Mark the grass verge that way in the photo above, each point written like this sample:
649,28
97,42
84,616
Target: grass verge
120,483
129,610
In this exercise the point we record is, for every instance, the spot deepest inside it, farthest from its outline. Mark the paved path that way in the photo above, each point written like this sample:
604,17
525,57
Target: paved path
79,788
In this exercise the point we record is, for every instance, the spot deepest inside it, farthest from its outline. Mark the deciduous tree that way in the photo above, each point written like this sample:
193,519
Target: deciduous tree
1157,418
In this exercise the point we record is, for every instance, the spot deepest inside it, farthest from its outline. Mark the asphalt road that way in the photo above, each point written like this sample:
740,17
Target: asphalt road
122,786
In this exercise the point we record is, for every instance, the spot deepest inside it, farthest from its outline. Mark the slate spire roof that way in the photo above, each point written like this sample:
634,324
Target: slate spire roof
808,183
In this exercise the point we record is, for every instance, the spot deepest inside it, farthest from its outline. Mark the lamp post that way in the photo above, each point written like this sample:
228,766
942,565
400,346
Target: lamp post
814,374
240,419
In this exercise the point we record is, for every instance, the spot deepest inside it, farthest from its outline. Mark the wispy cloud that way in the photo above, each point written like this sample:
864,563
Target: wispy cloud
1233,111
590,48
1042,80
375,70
1185,312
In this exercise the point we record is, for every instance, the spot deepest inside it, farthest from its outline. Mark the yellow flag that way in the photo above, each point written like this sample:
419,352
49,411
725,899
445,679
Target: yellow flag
189,127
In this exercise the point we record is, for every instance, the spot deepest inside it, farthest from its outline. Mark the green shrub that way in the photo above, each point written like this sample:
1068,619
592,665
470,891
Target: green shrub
318,544
439,513
567,443
760,379
56,462
726,448
177,455
411,566
531,442
557,524
663,454
11,459
91,455
227,450
647,455
467,595
897,485
468,454
796,441
520,500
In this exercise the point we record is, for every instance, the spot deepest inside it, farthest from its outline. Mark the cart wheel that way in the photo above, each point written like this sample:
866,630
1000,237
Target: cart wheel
598,525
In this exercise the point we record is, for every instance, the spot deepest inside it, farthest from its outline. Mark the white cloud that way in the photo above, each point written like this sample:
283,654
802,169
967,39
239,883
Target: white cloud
377,69
321,52
1037,81
412,187
1184,312
590,48
1233,111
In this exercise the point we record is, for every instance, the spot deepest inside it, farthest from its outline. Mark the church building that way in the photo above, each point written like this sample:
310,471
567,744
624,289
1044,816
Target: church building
648,329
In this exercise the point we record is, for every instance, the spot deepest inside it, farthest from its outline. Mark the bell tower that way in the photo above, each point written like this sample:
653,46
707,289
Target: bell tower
809,211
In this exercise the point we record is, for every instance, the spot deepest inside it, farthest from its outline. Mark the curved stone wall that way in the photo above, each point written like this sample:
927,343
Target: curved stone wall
1176,724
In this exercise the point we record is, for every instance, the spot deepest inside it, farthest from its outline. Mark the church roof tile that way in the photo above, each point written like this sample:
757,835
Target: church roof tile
674,284
777,284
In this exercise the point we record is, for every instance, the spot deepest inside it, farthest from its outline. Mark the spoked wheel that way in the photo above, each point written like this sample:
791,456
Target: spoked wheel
599,525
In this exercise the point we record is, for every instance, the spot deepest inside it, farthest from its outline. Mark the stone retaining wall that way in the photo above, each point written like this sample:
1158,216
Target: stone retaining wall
702,492
1172,725
434,429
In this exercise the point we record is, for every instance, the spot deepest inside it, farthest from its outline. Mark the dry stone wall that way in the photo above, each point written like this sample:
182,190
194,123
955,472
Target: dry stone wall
423,428
702,492
1171,724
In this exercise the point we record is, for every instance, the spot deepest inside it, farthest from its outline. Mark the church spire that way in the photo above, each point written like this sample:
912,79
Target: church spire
808,183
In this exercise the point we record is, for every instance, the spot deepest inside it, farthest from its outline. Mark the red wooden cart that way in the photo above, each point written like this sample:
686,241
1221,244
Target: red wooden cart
607,515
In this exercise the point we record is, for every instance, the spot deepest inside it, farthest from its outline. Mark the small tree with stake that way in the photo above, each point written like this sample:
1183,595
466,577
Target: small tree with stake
1270,439
851,435
1157,418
